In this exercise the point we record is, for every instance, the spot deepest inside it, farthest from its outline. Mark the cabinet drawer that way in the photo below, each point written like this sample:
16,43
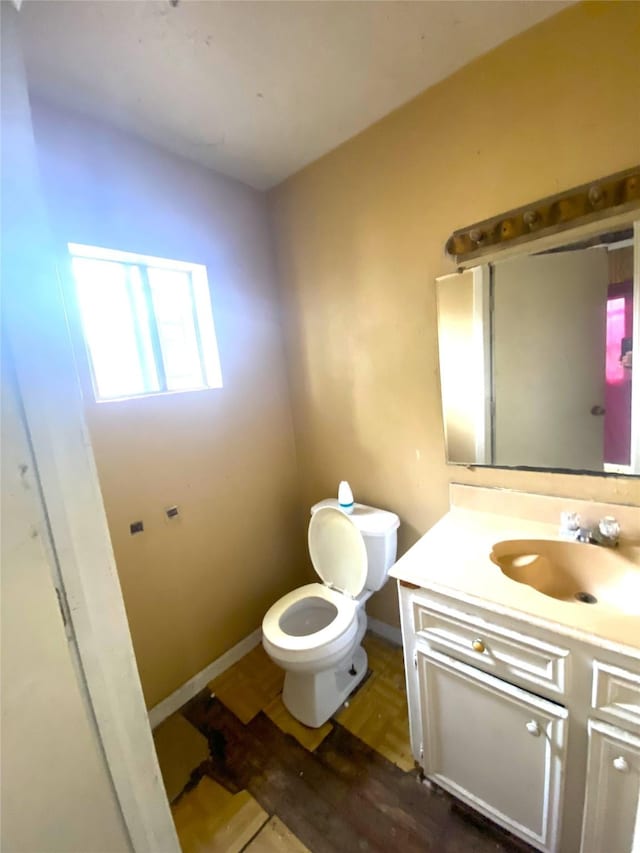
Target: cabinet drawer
616,693
613,786
508,654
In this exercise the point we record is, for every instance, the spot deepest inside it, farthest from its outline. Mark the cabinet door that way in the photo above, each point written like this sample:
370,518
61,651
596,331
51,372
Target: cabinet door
495,746
611,821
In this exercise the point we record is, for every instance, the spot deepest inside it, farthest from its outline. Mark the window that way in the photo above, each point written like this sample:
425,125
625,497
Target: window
147,323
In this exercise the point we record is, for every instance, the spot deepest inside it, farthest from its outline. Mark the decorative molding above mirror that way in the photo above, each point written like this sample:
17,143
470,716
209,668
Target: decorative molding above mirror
536,354
614,196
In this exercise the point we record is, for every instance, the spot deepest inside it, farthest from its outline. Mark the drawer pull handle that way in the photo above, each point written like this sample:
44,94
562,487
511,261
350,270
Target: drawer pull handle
533,728
621,764
477,645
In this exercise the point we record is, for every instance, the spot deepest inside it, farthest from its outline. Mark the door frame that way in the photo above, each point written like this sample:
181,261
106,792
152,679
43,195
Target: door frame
91,592
35,326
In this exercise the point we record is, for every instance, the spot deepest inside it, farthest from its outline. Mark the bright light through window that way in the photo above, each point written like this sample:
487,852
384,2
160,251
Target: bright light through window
147,323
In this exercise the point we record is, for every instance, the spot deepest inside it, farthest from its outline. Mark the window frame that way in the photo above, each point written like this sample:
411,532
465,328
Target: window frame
154,373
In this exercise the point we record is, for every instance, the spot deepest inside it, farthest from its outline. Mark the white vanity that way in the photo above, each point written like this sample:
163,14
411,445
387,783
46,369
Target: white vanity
524,705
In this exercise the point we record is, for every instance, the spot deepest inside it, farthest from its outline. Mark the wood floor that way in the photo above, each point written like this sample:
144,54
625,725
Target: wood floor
271,784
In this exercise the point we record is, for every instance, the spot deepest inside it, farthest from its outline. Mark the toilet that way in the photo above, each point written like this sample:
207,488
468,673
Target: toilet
315,632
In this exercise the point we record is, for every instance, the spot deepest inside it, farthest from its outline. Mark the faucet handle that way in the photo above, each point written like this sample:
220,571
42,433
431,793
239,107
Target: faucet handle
570,524
609,528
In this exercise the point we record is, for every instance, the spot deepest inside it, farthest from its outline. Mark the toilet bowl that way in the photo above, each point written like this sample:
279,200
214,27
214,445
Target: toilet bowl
315,632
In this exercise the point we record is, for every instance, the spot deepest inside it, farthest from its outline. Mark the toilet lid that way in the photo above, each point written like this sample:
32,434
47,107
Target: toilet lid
337,551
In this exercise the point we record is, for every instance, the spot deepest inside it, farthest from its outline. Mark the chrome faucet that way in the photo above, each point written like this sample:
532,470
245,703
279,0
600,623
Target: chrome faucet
606,532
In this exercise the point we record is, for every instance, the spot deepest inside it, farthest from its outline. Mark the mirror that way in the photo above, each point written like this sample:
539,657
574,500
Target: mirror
536,358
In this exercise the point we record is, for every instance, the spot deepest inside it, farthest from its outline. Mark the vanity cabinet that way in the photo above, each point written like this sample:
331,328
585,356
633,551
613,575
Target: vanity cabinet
494,745
510,655
538,731
612,791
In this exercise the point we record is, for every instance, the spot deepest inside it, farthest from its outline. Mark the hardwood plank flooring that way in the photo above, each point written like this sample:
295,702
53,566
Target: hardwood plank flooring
307,737
180,749
249,685
385,658
209,819
274,784
377,712
344,796
378,715
275,837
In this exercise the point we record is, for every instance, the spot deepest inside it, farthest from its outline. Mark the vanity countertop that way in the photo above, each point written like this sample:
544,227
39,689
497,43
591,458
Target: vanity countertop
453,558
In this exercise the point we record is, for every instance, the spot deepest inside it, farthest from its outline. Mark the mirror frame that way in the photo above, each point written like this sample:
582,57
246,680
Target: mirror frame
628,219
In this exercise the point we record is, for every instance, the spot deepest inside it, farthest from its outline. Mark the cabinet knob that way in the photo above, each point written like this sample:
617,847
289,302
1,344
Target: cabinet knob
477,645
621,764
533,728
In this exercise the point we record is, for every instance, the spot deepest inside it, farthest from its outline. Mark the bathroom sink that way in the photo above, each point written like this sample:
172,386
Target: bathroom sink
572,571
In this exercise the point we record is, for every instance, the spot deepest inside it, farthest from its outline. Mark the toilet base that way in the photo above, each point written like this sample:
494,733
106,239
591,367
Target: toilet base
313,698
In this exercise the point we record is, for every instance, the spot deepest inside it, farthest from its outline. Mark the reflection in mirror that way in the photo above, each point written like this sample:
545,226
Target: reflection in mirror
536,359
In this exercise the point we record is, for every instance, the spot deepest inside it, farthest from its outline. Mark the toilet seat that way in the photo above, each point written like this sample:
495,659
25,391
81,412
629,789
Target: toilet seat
339,556
315,633
344,619
337,551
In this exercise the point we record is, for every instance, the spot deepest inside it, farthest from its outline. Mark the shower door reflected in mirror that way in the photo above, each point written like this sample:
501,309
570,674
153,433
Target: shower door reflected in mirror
536,359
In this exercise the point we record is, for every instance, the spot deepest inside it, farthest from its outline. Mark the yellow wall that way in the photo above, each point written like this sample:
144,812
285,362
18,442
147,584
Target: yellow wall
195,586
360,238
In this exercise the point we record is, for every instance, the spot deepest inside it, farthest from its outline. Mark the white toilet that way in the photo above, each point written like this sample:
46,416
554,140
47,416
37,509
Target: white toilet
314,633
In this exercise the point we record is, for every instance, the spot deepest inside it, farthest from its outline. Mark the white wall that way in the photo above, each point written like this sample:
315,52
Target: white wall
56,789
197,586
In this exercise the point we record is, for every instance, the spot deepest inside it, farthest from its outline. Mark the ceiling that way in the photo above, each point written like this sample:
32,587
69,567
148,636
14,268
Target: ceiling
255,90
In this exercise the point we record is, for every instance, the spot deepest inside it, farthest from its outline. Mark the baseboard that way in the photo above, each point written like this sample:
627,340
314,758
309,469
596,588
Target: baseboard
382,629
188,690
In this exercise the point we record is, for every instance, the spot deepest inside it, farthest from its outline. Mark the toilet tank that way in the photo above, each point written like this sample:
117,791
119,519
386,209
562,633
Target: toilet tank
379,530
